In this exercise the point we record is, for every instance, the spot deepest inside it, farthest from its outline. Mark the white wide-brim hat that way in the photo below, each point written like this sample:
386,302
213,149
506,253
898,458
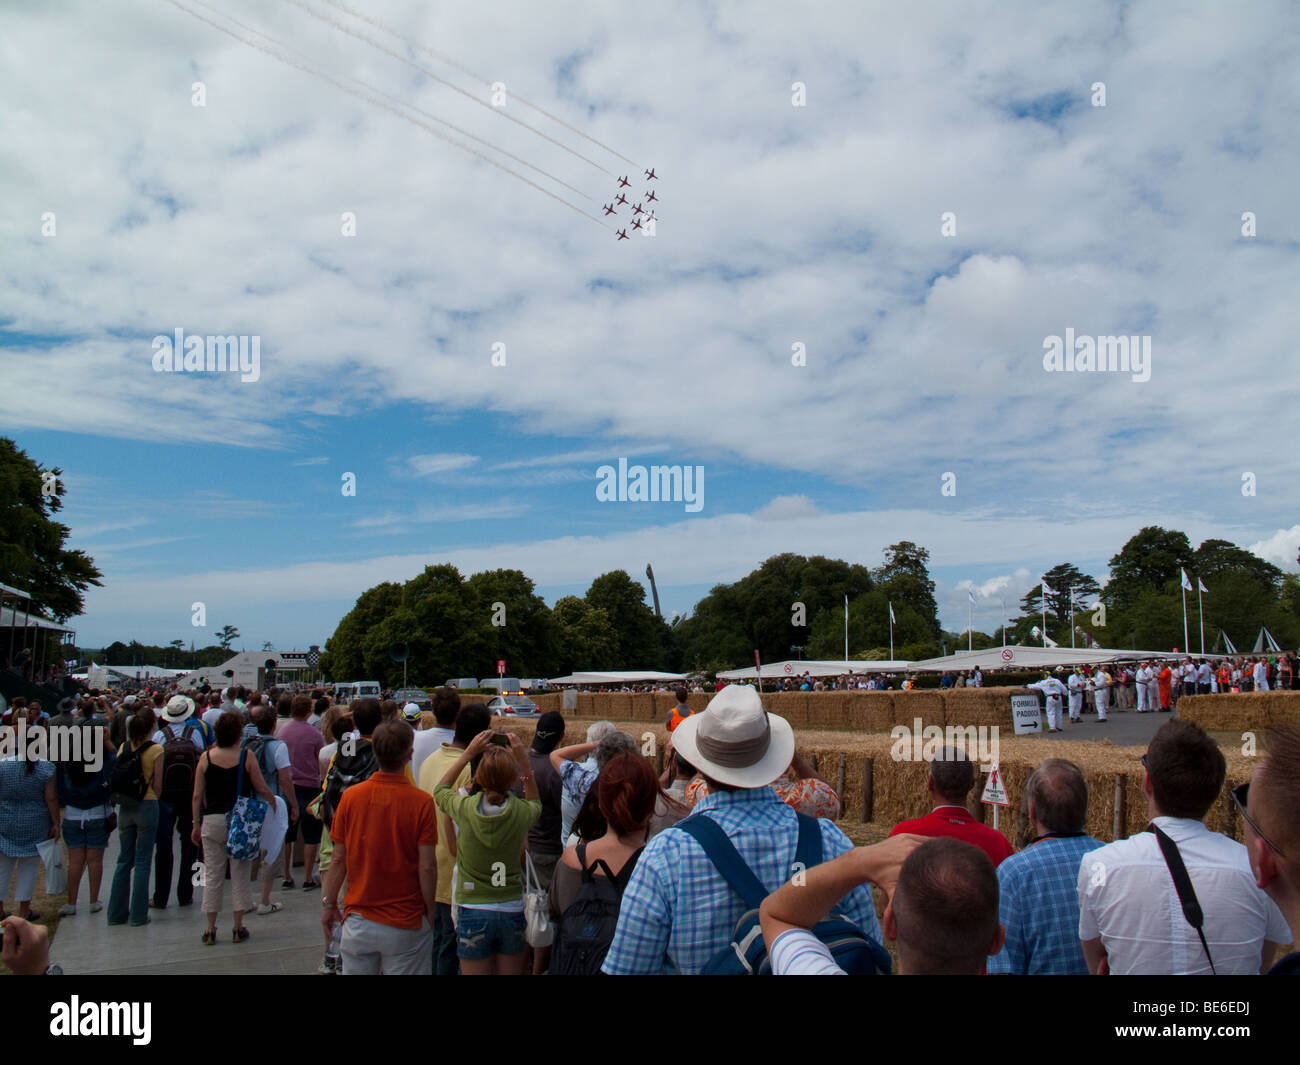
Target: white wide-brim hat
178,708
735,741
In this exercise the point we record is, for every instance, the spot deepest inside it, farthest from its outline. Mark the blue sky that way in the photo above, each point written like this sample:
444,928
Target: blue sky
818,225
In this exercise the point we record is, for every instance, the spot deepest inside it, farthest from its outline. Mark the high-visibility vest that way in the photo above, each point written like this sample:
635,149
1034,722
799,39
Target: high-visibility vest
678,717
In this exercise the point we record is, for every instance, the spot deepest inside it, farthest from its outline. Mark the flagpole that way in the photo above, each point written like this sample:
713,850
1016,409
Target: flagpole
846,633
1044,597
970,636
891,632
1004,624
1200,612
1072,617
1185,649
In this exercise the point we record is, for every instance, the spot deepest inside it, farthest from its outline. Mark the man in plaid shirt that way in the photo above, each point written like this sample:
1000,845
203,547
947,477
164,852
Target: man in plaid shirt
1039,899
677,910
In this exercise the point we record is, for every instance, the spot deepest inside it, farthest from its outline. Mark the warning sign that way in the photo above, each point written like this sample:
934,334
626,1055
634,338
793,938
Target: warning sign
994,793
1008,655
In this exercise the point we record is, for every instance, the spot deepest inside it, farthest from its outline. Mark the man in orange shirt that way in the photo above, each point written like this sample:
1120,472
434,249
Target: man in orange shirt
952,775
385,834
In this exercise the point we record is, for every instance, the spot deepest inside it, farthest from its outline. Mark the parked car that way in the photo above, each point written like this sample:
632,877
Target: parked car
462,683
413,695
359,689
514,706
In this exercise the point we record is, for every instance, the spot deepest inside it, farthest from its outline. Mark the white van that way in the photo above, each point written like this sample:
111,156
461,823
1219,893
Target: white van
359,689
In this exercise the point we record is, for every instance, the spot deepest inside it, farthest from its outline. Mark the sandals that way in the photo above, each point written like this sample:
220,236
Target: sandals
240,934
271,907
210,938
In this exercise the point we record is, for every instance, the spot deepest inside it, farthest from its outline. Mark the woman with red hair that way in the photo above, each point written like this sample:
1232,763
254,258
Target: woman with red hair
626,791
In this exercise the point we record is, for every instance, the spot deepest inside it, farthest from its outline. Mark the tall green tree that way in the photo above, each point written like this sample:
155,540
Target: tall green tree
32,553
640,637
1061,579
905,578
1148,562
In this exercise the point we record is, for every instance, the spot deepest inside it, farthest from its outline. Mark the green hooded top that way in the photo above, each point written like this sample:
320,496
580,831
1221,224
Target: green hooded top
487,841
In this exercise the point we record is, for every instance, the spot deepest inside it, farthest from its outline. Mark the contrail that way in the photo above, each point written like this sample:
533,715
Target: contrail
379,92
451,85
478,77
386,106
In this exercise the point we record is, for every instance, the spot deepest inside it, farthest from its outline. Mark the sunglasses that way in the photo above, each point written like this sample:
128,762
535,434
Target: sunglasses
1239,795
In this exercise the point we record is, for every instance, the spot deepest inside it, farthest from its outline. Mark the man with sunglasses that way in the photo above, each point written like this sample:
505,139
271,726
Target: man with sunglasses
1130,916
1270,807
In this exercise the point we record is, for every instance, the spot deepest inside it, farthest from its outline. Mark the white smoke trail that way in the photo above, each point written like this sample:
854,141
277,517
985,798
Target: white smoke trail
371,98
478,77
451,85
410,107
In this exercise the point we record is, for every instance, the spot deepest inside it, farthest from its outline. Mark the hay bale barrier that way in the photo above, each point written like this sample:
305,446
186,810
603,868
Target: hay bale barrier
1243,712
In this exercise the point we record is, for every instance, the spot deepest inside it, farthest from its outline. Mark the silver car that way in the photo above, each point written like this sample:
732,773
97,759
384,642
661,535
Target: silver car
514,706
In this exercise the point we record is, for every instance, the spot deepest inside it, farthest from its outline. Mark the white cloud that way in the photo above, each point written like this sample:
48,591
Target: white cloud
432,465
1281,548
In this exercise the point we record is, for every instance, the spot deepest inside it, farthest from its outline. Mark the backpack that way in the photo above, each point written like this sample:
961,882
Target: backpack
586,929
128,781
180,760
346,770
262,752
853,950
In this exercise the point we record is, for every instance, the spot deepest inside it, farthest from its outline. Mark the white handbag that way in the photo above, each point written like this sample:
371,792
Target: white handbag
56,870
540,931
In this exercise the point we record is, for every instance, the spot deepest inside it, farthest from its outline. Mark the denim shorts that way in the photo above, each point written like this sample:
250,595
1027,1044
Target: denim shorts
482,933
91,836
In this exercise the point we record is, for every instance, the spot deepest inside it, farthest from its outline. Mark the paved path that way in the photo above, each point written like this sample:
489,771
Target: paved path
1124,728
286,943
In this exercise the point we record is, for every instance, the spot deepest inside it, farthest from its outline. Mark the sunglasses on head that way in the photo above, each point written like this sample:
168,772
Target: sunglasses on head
1240,794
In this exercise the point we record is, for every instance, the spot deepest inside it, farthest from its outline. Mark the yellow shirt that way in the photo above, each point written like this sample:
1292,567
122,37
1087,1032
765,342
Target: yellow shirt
431,773
147,762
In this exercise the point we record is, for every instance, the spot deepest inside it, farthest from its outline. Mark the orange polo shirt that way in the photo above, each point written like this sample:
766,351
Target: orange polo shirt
382,823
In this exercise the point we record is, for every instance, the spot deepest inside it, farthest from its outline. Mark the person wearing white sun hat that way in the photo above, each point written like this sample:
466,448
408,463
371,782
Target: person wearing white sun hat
678,911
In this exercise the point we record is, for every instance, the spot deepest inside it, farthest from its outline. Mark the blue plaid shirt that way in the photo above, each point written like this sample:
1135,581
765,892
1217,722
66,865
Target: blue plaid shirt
678,912
1039,908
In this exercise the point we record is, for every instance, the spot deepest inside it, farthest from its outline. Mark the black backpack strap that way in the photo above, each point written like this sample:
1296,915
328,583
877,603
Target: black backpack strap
725,858
629,867
1183,885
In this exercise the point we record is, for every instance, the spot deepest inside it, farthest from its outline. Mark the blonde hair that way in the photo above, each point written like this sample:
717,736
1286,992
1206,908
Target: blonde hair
496,773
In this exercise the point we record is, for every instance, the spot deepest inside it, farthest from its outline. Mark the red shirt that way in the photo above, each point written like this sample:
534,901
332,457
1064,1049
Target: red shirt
957,822
382,823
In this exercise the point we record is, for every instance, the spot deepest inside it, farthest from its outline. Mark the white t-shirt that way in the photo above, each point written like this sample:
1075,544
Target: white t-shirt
797,952
1127,899
1260,676
426,743
196,735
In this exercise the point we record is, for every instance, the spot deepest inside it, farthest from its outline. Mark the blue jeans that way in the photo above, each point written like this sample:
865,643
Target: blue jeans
173,819
445,962
483,933
137,825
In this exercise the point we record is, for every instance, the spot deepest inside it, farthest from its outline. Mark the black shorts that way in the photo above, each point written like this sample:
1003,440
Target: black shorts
311,828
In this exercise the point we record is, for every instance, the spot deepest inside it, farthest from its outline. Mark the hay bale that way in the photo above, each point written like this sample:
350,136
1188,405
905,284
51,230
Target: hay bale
663,705
980,706
1243,712
872,711
618,706
827,710
698,700
586,704
927,705
793,706
643,707
548,702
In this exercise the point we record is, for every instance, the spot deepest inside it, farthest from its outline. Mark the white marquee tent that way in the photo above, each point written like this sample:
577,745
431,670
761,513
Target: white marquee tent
778,670
1027,657
623,677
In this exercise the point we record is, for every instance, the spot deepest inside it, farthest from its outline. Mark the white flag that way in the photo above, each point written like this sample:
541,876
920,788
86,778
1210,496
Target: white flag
1047,590
1201,584
970,593
1186,583
891,615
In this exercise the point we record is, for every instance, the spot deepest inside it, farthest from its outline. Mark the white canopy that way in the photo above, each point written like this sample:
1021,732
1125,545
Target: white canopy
1019,656
622,677
822,668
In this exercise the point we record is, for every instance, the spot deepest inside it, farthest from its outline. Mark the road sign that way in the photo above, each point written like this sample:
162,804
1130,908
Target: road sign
1008,654
1026,714
789,668
994,792
501,667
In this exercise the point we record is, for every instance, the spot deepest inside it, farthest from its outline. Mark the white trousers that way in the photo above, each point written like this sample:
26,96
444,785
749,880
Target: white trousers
1053,711
1153,695
1100,696
1076,705
1142,696
370,948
